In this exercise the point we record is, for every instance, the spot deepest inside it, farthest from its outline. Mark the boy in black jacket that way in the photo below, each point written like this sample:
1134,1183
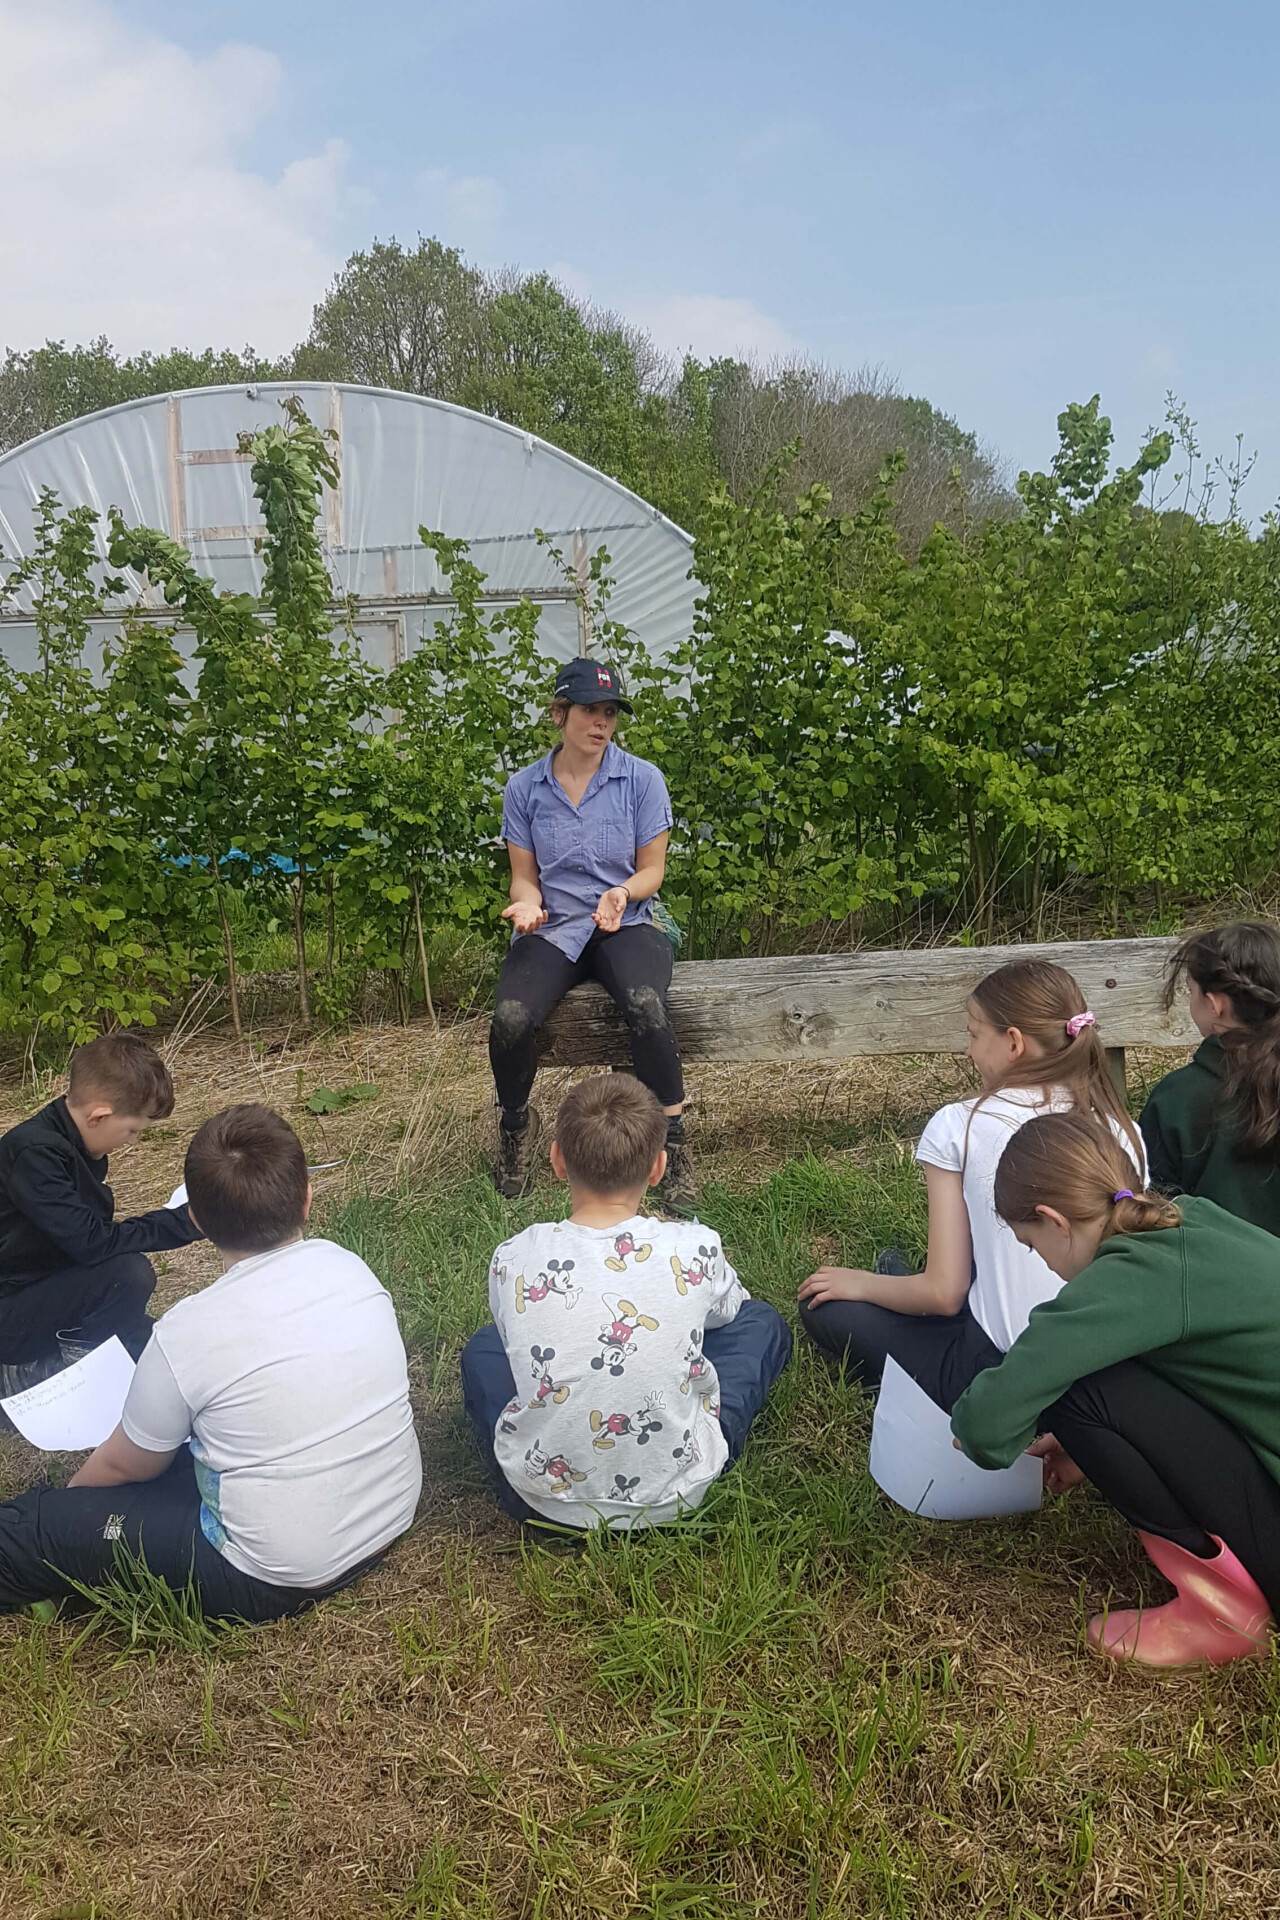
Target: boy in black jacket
70,1274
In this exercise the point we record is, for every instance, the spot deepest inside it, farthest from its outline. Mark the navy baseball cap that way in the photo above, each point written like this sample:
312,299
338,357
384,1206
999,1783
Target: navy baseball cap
585,683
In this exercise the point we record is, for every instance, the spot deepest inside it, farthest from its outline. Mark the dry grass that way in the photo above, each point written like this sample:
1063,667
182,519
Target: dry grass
811,1707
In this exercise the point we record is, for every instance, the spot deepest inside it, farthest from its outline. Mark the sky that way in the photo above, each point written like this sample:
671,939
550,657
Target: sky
1004,207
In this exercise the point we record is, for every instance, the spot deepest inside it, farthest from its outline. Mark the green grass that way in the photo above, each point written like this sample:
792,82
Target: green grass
801,1704
776,1730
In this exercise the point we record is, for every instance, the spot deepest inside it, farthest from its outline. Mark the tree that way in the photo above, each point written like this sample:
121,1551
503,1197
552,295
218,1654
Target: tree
415,321
845,426
54,383
464,705
97,927
283,711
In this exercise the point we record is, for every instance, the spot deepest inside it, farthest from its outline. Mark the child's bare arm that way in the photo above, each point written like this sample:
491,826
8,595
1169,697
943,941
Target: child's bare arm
948,1271
118,1462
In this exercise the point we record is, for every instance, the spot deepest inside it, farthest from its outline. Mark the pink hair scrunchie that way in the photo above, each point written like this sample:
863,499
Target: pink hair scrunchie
1079,1021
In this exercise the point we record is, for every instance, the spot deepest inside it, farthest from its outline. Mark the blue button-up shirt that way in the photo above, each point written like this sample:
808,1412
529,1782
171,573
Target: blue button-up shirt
582,851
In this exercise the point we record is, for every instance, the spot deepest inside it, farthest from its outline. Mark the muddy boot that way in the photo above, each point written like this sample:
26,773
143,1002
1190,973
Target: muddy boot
515,1163
678,1192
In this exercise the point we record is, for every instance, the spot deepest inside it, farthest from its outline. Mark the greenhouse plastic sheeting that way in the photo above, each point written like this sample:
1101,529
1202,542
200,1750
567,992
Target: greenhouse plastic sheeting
172,462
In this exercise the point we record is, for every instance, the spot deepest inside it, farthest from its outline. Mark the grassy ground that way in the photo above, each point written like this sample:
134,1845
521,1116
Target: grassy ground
803,1704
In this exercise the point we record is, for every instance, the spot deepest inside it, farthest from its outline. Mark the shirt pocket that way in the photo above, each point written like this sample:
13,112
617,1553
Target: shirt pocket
551,842
587,846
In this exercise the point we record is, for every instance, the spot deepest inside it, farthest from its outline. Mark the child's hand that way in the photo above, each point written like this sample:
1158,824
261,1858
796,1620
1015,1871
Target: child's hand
834,1283
1060,1471
610,909
524,916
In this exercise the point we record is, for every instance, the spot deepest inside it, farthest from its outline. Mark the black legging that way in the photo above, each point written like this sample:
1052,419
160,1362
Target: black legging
943,1352
1171,1466
633,965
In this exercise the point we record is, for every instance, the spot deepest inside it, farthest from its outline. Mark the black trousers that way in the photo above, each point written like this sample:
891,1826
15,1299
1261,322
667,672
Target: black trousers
1171,1466
53,1536
943,1353
633,965
748,1355
87,1304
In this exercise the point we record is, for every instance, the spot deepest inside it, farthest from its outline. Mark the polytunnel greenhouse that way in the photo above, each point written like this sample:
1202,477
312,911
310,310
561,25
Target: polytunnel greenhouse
172,462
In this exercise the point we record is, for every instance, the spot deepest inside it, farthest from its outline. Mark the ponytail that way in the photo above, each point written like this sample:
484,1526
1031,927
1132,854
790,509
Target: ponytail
1045,1003
1074,1164
1242,962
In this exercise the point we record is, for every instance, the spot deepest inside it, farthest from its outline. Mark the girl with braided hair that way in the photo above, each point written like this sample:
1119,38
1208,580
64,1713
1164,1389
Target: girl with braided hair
1213,1127
1151,1372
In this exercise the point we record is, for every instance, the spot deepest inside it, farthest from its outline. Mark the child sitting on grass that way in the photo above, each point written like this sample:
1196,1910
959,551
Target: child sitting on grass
1152,1372
1213,1127
1037,1049
266,1453
70,1274
626,1361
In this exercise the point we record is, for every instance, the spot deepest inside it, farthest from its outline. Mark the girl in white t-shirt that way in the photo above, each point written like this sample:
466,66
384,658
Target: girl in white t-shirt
1036,1048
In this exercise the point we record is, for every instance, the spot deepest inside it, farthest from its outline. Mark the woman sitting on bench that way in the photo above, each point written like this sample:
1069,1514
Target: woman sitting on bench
586,829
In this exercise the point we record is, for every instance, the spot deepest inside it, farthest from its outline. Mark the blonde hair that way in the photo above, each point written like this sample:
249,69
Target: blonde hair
1039,998
1074,1164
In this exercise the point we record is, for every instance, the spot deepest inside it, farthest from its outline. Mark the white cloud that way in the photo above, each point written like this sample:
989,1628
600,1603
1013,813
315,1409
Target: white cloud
129,204
706,324
711,324
462,209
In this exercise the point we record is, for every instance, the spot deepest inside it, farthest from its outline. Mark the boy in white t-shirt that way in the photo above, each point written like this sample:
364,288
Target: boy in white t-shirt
626,1361
266,1453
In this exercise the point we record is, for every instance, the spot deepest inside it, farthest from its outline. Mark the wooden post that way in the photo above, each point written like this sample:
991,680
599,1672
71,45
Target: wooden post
1115,1060
833,1006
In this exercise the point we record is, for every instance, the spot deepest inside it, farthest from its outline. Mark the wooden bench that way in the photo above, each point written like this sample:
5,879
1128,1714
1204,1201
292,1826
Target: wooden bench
841,1006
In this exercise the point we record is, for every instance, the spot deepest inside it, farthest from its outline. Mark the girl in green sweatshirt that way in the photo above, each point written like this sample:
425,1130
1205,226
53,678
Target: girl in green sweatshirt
1152,1373
1213,1126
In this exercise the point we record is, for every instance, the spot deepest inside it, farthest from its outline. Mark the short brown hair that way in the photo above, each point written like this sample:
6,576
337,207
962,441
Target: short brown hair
124,1069
610,1130
1074,1164
246,1179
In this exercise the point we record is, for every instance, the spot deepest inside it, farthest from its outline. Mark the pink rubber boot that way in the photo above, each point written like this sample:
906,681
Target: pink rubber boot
1220,1613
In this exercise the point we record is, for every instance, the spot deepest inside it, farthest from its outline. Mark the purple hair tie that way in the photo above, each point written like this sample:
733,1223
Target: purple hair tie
1079,1021
1125,1193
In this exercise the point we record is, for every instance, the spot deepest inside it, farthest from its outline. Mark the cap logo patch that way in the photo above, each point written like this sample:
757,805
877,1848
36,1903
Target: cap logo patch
604,676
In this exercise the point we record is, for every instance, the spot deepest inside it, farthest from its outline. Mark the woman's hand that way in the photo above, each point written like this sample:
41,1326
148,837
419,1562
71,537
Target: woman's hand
610,909
525,916
834,1283
1060,1471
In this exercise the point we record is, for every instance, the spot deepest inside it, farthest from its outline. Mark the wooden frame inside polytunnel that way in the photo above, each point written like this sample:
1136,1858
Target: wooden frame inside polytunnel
172,462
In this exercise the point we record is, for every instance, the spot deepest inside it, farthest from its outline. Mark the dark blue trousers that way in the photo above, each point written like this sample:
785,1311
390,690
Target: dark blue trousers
55,1537
748,1355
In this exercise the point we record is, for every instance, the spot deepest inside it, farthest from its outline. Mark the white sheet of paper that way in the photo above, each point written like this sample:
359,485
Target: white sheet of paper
915,1463
78,1407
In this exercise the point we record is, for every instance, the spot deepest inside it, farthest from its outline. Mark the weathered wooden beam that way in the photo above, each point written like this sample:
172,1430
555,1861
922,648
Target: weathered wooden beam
841,1006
